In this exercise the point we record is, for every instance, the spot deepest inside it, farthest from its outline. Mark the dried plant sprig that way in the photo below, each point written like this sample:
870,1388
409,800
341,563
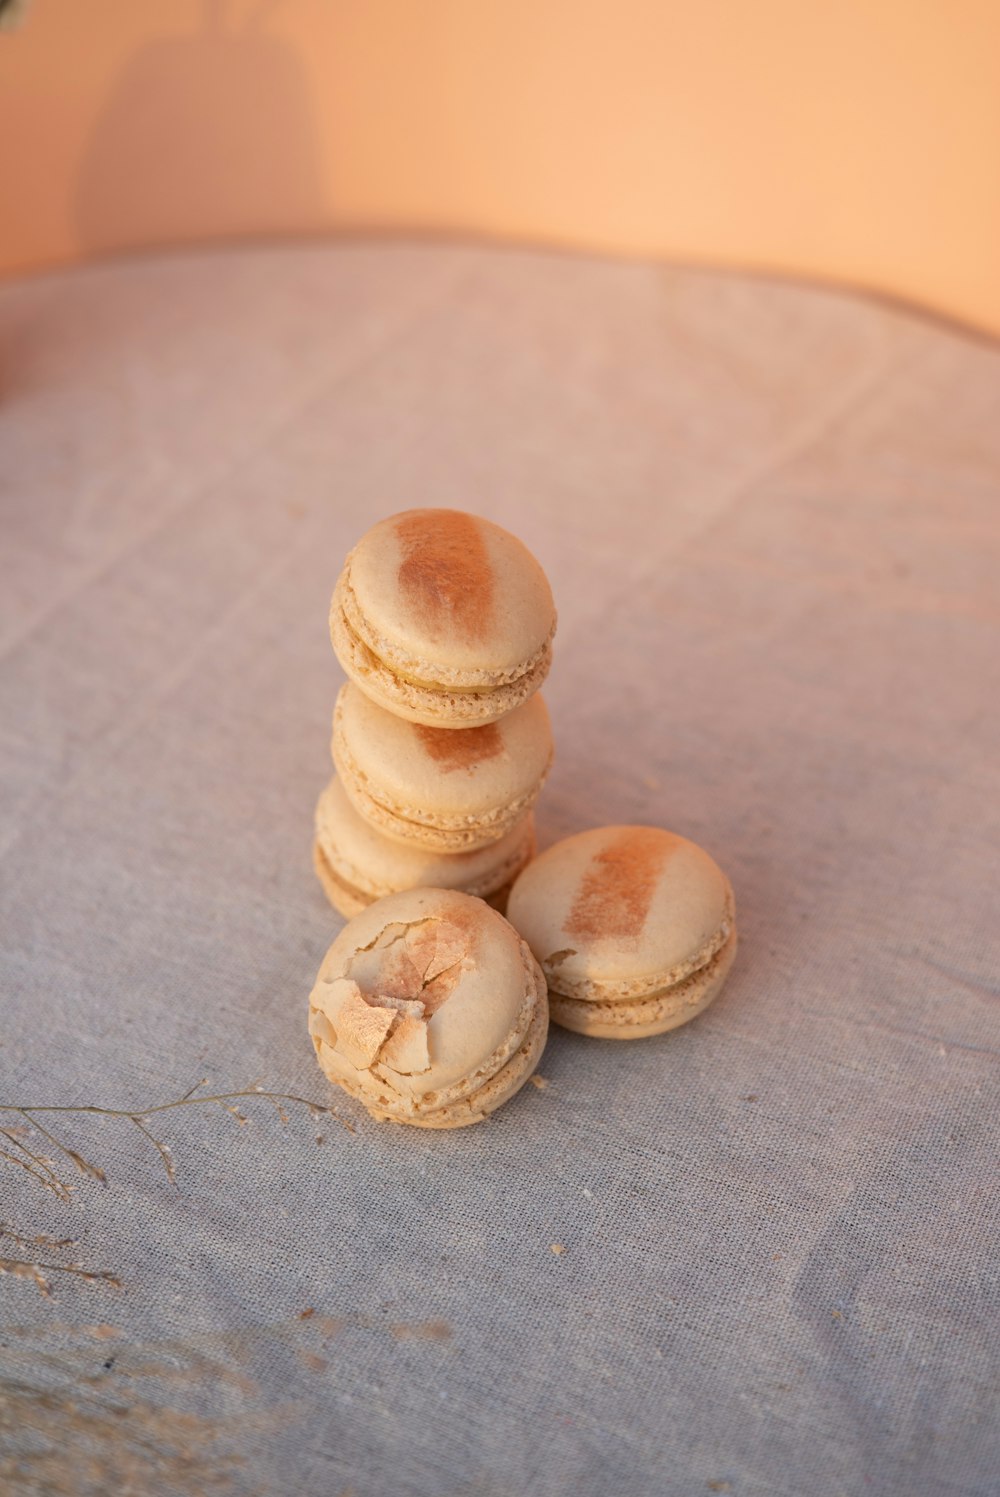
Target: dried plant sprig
24,1268
45,1173
40,1241
37,1272
41,1169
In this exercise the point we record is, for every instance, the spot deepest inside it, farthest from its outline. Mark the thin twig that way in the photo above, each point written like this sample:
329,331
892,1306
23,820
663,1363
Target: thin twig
50,1182
161,1149
186,1101
188,1095
42,1164
83,1165
23,1268
51,1242
44,1172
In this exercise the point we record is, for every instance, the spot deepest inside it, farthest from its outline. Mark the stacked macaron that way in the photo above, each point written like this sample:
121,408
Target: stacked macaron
443,623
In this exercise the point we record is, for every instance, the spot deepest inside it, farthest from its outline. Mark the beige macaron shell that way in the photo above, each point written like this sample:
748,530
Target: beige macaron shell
456,598
626,908
373,865
484,1012
405,776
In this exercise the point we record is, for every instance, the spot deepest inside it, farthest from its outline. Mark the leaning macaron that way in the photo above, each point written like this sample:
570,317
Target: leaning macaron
443,618
429,1009
633,926
447,790
356,864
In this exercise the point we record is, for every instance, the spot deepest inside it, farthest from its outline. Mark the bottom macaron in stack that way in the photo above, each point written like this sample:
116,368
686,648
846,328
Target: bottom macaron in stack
357,864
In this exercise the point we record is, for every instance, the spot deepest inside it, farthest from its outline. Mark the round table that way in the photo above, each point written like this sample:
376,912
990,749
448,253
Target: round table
769,516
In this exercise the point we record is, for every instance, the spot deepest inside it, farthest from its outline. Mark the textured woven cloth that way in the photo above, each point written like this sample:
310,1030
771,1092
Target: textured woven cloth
770,519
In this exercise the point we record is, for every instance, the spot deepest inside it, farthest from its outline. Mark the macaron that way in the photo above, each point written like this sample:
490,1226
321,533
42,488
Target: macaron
444,789
356,864
443,618
633,926
430,1009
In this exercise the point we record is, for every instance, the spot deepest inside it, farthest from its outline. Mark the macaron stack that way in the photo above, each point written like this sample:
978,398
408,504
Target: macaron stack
443,623
430,1008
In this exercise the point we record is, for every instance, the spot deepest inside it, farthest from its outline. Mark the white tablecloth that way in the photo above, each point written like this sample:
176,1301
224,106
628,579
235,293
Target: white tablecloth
769,516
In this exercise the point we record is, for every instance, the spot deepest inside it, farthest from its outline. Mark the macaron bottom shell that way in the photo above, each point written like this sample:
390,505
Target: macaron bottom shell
605,1018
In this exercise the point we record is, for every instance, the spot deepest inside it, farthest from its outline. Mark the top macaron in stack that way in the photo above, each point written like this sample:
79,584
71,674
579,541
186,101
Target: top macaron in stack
443,622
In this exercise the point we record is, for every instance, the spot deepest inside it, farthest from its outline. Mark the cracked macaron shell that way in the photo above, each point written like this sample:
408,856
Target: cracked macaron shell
622,912
449,789
370,865
482,999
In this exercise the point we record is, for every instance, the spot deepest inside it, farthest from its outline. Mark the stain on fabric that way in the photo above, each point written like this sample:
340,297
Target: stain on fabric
614,898
84,1434
421,1330
446,575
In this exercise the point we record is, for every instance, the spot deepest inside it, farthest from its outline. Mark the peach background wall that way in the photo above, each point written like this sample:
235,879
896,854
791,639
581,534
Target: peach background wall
852,139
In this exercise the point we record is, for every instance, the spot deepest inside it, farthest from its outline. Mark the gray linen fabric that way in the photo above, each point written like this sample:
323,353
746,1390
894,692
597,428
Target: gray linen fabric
769,515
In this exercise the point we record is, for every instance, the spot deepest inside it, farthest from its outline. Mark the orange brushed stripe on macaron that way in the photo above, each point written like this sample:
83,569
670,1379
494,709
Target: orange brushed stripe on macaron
616,892
446,574
461,748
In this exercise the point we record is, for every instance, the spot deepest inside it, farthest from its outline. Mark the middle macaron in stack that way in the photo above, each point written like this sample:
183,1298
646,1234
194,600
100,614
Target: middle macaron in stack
435,785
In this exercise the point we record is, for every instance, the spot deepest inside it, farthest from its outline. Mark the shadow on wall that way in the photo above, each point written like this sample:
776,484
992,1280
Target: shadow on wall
205,134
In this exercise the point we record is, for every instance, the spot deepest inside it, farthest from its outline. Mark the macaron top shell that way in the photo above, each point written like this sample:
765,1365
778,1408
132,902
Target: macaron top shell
626,908
451,598
428,985
434,772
